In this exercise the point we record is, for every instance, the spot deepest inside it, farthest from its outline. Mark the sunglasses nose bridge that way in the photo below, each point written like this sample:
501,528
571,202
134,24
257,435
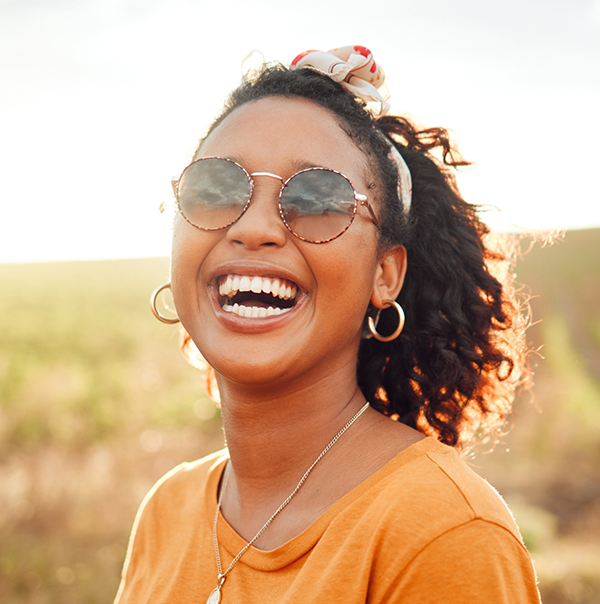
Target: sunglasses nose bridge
261,190
261,223
269,174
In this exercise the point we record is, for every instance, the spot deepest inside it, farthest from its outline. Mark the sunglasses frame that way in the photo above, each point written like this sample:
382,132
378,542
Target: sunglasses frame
359,199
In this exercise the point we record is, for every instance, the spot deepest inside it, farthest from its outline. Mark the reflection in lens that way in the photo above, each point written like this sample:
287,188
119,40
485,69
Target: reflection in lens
318,204
213,192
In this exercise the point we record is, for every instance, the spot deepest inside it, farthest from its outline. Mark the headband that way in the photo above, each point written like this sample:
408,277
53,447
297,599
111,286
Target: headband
355,70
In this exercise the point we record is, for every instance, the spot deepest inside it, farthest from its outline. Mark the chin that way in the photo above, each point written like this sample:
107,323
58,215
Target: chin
252,370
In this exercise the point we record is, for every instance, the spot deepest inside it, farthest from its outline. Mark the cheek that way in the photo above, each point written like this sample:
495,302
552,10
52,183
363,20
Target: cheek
346,278
189,250
181,250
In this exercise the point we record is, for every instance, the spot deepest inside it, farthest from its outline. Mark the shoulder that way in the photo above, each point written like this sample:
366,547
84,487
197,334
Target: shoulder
174,506
182,489
431,515
428,490
478,561
437,483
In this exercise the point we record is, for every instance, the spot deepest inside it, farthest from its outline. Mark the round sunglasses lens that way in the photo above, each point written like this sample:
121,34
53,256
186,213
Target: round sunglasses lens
318,205
212,193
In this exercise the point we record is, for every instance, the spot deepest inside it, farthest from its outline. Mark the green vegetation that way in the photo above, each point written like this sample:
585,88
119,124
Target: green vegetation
96,404
547,467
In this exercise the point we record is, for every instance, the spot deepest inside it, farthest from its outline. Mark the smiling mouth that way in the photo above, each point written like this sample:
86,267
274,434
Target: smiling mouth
256,297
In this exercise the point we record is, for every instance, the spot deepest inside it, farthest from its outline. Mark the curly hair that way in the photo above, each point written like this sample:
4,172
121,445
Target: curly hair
453,370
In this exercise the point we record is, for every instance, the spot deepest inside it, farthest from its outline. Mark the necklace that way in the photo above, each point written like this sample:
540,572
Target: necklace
215,596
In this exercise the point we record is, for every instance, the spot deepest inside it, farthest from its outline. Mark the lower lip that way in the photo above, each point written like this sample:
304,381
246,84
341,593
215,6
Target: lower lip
233,321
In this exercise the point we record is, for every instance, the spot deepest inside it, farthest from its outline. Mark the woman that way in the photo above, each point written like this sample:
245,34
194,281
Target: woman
307,227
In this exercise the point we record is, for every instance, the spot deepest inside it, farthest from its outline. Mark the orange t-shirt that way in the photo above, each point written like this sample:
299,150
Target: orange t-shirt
423,529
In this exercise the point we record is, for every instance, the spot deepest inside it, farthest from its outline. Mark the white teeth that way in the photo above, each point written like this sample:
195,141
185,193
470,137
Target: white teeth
275,287
232,284
244,284
253,312
256,285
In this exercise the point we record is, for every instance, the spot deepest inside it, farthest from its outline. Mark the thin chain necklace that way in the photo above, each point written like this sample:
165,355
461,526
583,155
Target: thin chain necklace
215,596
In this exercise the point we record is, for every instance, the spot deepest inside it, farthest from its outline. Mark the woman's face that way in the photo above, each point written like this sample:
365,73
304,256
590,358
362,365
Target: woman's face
321,331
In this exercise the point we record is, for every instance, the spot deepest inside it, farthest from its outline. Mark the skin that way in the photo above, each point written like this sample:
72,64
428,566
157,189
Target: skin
288,383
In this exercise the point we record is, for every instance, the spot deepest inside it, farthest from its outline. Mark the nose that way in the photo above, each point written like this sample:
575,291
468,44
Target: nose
261,224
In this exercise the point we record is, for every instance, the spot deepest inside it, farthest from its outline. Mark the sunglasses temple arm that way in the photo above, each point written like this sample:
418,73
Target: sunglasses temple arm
363,202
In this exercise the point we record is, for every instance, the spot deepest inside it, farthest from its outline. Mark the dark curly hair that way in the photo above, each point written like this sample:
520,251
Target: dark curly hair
453,370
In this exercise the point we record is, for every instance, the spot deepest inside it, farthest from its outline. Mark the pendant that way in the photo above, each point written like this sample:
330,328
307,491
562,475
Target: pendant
215,596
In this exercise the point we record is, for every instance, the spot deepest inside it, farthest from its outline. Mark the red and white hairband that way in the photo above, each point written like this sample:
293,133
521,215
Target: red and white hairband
354,68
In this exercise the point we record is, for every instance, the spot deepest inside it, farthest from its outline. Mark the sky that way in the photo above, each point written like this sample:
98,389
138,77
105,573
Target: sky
103,101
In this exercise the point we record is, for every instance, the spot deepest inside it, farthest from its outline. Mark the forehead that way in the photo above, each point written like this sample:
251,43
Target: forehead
282,135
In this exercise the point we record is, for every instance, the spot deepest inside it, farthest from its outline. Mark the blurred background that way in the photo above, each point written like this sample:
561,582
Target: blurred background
103,101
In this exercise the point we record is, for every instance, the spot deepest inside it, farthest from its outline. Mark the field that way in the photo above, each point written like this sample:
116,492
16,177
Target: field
96,404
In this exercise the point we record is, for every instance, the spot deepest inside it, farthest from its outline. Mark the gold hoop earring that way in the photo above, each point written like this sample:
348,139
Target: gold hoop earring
373,323
153,308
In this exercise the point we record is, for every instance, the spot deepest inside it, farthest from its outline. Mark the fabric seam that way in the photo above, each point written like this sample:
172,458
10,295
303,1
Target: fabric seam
427,545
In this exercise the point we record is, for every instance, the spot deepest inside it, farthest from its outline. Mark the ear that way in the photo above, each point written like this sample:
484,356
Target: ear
389,276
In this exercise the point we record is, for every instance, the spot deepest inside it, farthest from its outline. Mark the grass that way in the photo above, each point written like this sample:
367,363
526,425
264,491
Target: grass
96,404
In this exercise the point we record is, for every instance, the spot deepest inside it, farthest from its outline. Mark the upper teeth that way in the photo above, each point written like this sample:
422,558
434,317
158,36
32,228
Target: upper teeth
280,288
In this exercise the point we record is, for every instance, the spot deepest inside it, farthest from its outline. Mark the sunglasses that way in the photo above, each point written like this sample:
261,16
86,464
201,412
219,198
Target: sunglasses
316,205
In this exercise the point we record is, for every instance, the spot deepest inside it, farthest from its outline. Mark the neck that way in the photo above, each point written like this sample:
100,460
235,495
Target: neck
273,437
